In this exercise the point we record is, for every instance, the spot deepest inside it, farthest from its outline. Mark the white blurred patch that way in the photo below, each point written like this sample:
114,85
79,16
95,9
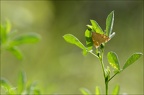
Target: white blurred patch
124,94
22,17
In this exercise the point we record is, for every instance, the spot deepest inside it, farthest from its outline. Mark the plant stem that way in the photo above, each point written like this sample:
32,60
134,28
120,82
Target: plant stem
113,76
93,54
106,82
106,87
103,68
102,64
105,76
101,61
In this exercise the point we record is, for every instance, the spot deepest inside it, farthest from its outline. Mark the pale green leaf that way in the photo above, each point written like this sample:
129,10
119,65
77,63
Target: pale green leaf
25,38
31,88
16,52
107,73
21,82
3,34
116,90
97,90
8,26
113,60
4,31
96,27
109,23
73,40
90,28
112,35
85,91
132,59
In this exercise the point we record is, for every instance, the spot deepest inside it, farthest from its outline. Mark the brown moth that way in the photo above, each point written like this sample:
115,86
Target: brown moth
98,39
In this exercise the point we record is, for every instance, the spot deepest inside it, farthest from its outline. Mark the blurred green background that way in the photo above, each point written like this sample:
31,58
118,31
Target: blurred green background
60,67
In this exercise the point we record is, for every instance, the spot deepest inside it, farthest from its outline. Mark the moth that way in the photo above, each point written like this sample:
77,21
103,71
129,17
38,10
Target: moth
98,39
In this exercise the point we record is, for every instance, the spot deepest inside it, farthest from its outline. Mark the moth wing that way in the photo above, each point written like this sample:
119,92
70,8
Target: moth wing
98,39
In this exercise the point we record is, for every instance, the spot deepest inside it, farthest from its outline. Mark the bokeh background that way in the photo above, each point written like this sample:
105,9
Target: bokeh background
59,67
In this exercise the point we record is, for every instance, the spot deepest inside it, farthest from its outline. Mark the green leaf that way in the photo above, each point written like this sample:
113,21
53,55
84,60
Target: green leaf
84,52
112,35
5,29
107,73
25,38
89,42
73,40
7,87
8,26
85,91
31,88
36,92
113,60
116,90
97,90
21,82
96,27
5,83
90,28
16,52
132,59
109,23
3,34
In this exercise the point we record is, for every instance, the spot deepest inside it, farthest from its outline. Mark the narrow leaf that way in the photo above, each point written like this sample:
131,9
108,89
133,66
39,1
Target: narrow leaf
25,38
90,28
97,91
8,26
107,73
116,90
113,60
16,52
109,23
96,27
21,82
3,34
132,59
89,42
31,88
73,40
85,91
112,35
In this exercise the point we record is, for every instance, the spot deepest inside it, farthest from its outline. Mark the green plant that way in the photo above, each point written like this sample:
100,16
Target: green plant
10,41
22,88
96,36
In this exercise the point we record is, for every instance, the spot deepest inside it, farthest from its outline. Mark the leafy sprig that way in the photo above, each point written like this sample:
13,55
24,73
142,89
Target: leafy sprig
111,56
10,43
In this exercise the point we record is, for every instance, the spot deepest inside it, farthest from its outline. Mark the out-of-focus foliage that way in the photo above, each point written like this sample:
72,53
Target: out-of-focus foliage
22,88
7,42
48,61
10,43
